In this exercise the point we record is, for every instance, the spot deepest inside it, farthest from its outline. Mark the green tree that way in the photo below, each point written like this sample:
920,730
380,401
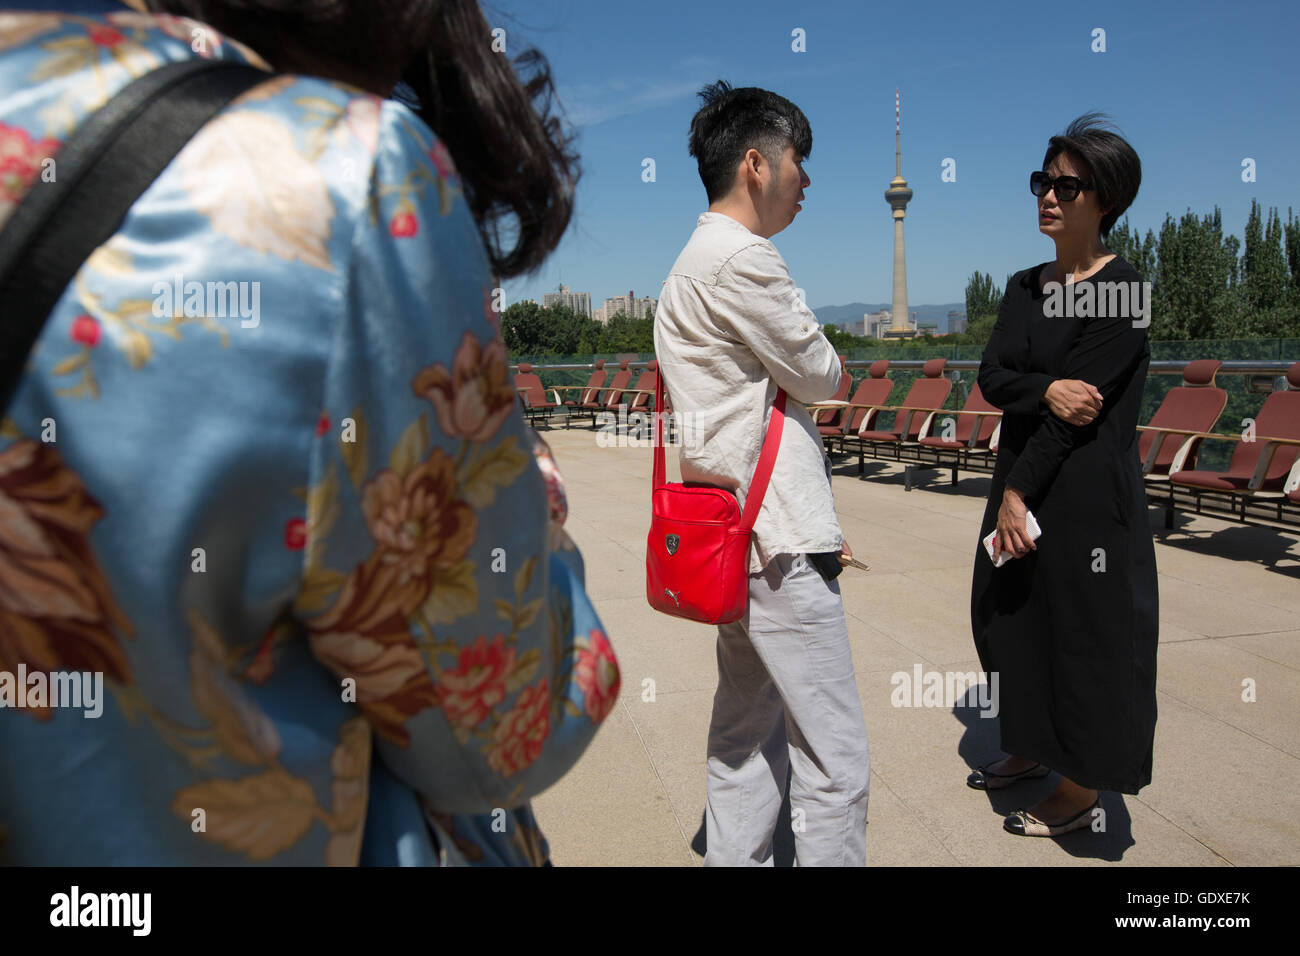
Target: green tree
982,297
1139,253
521,327
978,331
843,342
624,334
1293,258
1265,278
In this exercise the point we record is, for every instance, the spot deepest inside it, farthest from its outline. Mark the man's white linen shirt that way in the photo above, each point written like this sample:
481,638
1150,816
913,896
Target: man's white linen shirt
730,327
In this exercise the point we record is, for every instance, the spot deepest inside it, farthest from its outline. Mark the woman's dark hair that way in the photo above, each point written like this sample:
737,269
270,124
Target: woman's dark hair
733,121
1109,162
512,154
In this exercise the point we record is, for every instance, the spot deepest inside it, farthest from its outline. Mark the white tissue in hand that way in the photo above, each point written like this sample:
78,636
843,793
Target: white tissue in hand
1034,531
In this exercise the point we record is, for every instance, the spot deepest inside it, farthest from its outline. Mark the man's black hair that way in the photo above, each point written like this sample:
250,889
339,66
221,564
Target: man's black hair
1110,163
733,121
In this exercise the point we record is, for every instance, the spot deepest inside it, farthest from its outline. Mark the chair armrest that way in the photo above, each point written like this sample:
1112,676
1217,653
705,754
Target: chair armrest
1293,479
925,426
1213,435
1168,431
1271,445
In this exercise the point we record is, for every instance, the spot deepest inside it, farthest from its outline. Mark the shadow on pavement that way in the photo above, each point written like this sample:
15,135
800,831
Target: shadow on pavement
979,744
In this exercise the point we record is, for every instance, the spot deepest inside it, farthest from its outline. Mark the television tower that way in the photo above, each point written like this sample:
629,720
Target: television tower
898,196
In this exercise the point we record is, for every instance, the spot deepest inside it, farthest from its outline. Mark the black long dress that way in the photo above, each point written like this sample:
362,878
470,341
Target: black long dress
1074,646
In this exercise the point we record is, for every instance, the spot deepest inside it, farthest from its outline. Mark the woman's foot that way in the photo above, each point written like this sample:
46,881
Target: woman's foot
1067,808
1005,772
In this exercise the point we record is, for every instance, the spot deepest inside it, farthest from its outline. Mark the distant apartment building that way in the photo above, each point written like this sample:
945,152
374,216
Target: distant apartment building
852,328
579,302
956,321
628,304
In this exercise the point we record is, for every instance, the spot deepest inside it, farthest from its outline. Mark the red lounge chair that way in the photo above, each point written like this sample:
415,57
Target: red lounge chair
532,396
924,398
829,416
977,423
871,395
586,403
1187,412
612,397
1261,468
645,388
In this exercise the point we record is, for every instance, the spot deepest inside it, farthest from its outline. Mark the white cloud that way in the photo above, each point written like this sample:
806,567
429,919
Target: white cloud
589,104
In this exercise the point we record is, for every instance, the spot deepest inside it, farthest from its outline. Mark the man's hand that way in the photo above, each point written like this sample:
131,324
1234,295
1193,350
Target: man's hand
1073,400
845,549
1013,535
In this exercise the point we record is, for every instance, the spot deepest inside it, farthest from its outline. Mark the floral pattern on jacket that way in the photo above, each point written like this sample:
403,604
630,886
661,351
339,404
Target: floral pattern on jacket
265,473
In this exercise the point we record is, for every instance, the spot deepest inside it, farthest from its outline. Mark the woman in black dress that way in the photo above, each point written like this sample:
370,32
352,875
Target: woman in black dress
1070,624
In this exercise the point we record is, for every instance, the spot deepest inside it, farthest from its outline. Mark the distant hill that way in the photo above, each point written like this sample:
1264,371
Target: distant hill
854,311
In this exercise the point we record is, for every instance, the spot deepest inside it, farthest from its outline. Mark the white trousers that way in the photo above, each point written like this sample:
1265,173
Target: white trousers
787,698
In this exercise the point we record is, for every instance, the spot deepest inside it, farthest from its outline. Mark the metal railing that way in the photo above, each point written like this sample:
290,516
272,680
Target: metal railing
1229,367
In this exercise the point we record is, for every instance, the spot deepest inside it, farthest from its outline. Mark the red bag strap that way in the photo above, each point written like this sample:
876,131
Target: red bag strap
657,478
766,458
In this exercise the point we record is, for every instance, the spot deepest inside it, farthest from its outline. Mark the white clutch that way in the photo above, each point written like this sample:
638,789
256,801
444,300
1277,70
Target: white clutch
1034,531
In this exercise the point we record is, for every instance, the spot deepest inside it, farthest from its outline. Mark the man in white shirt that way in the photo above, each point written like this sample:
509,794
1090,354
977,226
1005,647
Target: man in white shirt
731,328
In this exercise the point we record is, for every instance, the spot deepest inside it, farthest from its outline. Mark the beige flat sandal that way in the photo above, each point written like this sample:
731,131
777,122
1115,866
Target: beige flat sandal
1024,823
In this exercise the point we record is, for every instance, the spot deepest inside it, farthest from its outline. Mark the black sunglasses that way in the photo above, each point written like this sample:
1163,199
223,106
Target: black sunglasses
1065,187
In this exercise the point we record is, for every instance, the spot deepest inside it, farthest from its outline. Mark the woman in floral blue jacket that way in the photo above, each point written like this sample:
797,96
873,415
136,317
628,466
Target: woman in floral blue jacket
266,499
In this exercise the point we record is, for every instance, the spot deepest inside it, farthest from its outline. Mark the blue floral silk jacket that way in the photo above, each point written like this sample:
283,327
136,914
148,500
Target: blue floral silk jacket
265,483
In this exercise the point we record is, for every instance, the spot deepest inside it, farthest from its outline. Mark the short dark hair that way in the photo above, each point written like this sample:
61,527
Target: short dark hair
733,121
1109,162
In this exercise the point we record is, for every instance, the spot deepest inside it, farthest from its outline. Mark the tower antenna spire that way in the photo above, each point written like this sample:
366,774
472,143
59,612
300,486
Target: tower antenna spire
898,135
898,195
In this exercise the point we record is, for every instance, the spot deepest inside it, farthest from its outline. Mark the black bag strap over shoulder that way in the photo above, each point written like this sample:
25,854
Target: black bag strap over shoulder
101,170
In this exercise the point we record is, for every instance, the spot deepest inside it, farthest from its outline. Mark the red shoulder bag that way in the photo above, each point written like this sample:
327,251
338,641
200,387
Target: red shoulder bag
697,554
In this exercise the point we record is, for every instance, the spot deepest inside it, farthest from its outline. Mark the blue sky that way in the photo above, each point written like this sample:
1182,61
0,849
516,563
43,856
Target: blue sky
1194,86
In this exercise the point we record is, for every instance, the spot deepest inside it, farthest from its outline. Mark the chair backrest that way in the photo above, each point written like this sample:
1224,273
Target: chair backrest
1278,418
976,402
614,394
645,381
1193,406
833,416
527,379
929,391
872,390
594,383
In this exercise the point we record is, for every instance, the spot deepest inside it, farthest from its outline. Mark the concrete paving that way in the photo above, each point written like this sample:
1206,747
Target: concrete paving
1226,779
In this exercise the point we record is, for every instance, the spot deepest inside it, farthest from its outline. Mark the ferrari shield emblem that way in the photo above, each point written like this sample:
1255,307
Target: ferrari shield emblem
673,541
